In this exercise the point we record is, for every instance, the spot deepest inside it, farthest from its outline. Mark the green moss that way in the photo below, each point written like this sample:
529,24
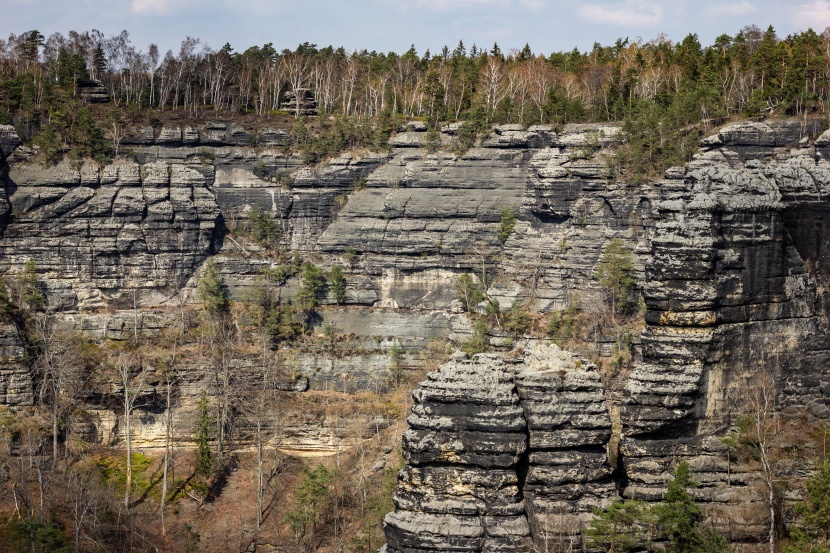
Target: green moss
113,471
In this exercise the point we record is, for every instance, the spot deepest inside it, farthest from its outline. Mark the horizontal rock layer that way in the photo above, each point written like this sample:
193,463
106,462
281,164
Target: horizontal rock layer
730,256
491,455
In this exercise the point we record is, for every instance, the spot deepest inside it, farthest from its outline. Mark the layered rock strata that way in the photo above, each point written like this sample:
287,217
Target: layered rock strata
502,457
460,488
569,428
732,291
731,257
100,235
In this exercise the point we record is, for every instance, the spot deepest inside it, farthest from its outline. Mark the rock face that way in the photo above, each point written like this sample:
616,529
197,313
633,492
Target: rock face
502,457
98,235
460,489
15,378
569,428
734,286
731,255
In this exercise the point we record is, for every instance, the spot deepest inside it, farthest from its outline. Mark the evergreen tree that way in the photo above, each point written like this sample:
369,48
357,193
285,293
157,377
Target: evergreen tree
678,514
615,271
212,289
506,224
479,342
620,527
815,512
337,284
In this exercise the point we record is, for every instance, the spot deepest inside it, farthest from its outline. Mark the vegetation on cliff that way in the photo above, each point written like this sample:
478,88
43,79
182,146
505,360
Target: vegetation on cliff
666,93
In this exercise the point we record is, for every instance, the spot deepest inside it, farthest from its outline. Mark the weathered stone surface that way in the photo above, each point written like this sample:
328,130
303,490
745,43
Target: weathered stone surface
16,386
8,141
730,257
569,425
462,464
476,424
97,235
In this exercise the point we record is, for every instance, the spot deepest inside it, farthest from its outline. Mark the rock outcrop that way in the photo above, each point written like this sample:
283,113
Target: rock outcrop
99,235
460,489
502,456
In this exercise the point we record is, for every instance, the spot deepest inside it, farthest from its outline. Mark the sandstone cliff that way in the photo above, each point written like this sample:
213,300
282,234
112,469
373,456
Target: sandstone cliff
730,253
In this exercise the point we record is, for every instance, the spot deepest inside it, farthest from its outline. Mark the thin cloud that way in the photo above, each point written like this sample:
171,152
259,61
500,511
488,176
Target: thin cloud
257,7
626,14
462,5
152,7
815,15
171,7
533,5
448,4
735,9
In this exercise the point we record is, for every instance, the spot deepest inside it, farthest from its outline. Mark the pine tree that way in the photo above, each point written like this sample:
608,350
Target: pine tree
212,289
337,284
619,528
615,271
506,224
815,510
678,514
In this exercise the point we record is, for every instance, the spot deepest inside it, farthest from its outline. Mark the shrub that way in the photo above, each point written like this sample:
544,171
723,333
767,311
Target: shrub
468,292
564,325
337,284
507,224
479,342
311,499
212,289
518,320
615,272
263,228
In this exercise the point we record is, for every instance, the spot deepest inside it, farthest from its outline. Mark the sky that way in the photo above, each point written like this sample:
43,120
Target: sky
394,25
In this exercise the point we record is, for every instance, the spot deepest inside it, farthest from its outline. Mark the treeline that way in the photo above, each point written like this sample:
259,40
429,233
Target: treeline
661,88
750,71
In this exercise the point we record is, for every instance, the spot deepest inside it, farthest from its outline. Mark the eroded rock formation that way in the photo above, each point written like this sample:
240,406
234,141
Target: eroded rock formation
495,449
731,258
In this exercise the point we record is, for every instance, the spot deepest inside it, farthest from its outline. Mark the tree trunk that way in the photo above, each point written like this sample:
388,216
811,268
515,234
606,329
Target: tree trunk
55,400
168,419
127,437
259,463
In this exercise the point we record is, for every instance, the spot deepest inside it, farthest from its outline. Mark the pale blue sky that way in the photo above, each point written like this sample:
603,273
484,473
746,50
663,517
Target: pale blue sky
386,25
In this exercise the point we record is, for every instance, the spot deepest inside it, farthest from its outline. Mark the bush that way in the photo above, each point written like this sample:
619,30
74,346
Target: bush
263,228
212,289
615,272
564,325
479,342
518,320
814,531
36,537
626,525
432,140
311,499
507,224
468,292
313,282
337,284
619,527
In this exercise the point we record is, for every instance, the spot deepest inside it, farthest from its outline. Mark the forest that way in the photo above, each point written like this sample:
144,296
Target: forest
666,93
